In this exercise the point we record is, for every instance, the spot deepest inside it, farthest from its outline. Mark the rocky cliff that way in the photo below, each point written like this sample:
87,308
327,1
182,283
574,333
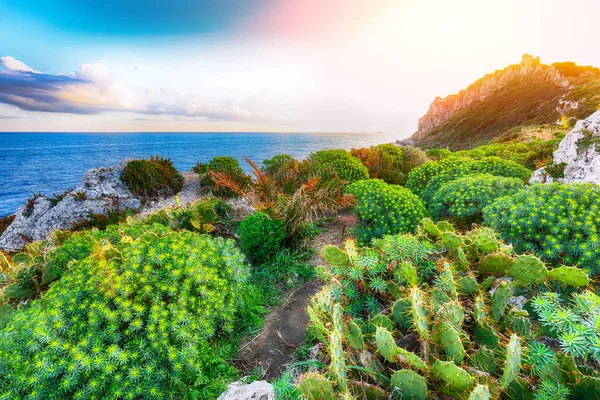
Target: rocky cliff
100,191
577,159
529,93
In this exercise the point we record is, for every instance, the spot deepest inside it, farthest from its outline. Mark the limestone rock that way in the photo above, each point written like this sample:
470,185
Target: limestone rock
100,190
258,390
580,153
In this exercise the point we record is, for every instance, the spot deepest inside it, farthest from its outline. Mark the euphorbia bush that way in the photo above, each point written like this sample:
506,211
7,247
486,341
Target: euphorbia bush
384,209
329,164
463,199
560,223
140,318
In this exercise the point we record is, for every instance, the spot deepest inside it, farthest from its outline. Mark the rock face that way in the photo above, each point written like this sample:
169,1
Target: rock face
100,190
259,390
580,153
524,94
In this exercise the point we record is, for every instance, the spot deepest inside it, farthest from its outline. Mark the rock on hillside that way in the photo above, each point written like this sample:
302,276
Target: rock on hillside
578,153
100,191
525,94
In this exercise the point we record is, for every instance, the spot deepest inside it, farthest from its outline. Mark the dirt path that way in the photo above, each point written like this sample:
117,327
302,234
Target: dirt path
285,328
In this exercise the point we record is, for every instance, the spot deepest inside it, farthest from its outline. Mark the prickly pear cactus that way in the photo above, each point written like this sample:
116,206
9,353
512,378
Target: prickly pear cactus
433,315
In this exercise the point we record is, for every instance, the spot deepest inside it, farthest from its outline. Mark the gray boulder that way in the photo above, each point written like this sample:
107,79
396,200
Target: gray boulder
580,153
258,390
100,190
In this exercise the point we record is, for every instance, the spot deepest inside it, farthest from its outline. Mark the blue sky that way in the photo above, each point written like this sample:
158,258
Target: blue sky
265,65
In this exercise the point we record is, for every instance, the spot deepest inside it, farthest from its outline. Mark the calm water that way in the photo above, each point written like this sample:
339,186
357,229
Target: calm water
53,162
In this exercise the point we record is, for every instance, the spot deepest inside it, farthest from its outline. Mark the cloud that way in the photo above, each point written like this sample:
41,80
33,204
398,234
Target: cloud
12,64
92,90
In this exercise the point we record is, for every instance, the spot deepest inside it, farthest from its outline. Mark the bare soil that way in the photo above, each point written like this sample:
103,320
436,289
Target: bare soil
285,328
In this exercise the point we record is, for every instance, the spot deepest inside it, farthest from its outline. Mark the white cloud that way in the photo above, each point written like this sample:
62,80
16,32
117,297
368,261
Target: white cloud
12,64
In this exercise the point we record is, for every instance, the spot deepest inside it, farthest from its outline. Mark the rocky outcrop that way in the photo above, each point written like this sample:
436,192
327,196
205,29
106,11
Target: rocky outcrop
441,109
259,390
520,95
577,159
100,190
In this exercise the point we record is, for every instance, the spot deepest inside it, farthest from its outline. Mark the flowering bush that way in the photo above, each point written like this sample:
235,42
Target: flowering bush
384,209
226,165
328,164
420,176
560,223
499,167
153,177
139,318
463,199
261,237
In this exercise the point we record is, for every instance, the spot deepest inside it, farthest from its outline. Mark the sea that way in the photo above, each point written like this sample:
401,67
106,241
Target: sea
50,163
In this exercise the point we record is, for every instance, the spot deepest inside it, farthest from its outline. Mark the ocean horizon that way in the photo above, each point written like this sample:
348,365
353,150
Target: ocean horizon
52,162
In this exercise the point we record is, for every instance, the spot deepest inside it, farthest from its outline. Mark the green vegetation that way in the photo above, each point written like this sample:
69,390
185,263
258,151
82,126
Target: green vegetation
125,321
560,223
261,237
413,315
384,209
223,165
153,177
336,163
536,98
462,200
389,162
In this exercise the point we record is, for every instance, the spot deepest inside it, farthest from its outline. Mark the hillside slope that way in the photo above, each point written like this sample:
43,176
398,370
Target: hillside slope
525,94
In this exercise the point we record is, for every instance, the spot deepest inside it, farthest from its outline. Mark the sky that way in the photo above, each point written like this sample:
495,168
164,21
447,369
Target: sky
265,65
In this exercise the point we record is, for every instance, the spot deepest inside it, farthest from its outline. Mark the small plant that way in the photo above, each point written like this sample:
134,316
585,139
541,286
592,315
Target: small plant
153,177
199,168
57,197
384,209
5,222
556,171
81,196
228,166
588,140
31,204
261,237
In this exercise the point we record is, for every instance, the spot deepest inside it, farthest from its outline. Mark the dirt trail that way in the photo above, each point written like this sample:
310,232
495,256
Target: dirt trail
285,327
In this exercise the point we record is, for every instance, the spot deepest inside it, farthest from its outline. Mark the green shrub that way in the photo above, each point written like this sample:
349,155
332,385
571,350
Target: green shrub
336,163
142,317
413,314
463,199
384,209
560,223
225,165
438,154
389,162
499,167
420,176
153,177
261,237
285,171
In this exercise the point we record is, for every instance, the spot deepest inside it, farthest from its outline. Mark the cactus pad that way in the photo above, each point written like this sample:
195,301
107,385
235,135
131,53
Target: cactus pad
450,340
386,344
500,299
412,386
571,276
334,256
480,392
316,387
453,375
496,263
419,312
355,336
512,365
527,269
